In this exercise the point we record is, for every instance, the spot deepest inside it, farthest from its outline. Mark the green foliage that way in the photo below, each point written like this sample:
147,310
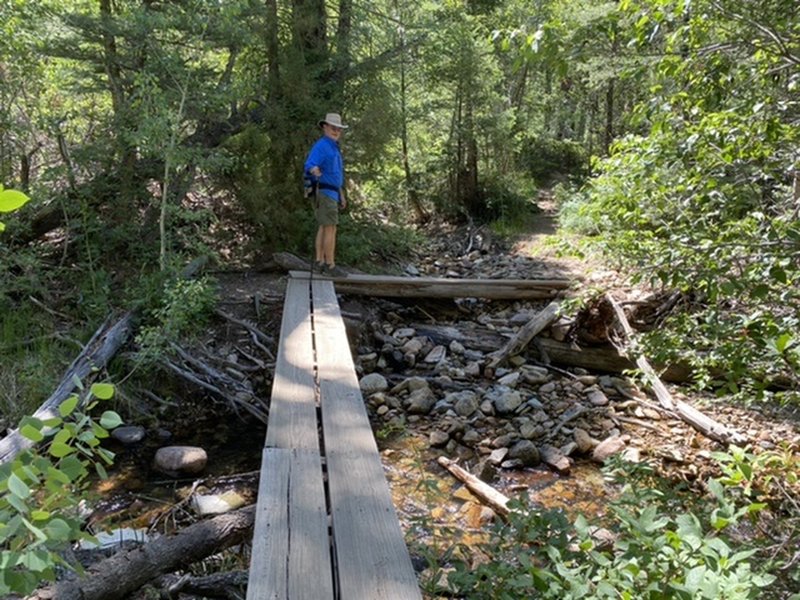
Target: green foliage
705,201
40,490
662,549
184,308
547,160
11,200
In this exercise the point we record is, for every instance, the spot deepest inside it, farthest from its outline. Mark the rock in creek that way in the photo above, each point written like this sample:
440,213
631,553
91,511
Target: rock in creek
128,435
174,460
372,383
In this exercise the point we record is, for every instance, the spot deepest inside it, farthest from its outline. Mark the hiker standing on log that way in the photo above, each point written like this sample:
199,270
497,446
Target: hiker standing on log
325,170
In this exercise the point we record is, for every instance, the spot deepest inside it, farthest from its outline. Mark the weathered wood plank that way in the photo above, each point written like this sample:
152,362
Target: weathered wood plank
292,414
269,559
291,547
437,287
372,560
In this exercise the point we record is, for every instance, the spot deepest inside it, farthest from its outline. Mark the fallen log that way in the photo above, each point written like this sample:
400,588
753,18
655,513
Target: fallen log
392,286
127,571
522,338
604,358
700,421
98,351
483,491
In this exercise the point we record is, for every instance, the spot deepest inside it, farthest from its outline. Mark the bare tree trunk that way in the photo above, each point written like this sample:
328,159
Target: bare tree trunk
411,184
272,50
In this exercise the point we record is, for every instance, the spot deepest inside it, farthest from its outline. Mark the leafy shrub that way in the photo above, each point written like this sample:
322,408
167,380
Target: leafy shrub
185,307
41,488
662,548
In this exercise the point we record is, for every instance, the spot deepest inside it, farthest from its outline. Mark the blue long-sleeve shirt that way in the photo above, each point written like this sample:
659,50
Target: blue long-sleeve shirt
326,155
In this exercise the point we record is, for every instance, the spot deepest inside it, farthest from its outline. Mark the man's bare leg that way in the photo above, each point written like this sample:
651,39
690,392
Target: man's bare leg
319,245
331,245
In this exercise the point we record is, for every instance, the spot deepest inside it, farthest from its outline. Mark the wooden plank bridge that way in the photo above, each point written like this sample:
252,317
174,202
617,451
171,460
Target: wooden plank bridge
325,524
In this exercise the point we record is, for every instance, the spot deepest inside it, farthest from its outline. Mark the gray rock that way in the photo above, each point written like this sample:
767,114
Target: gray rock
128,435
525,451
471,437
436,355
485,471
609,446
456,347
554,458
421,401
497,456
372,383
529,430
404,332
410,384
548,387
534,403
473,369
597,398
507,402
534,375
510,380
180,459
585,442
437,439
412,346
466,403
473,355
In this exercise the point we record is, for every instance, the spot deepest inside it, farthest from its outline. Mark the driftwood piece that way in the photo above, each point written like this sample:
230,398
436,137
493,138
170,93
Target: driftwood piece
98,351
127,571
483,491
522,338
700,421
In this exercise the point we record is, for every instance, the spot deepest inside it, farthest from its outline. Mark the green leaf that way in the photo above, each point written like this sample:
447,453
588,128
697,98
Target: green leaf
59,450
59,476
101,470
104,391
40,515
32,433
12,200
35,560
109,419
72,467
59,530
69,405
18,487
40,535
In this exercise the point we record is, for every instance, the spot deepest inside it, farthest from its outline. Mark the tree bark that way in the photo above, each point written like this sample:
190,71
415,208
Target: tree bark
125,572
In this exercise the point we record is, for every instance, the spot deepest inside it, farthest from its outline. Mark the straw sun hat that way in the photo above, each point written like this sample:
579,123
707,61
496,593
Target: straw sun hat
333,119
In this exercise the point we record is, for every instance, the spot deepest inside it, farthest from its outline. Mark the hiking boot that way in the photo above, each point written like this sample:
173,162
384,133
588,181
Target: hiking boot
334,271
319,267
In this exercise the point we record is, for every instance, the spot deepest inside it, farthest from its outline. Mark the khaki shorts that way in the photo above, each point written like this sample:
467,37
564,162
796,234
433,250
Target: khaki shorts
326,210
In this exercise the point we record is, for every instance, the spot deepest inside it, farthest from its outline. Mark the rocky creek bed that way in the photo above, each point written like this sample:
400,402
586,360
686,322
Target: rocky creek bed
529,427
